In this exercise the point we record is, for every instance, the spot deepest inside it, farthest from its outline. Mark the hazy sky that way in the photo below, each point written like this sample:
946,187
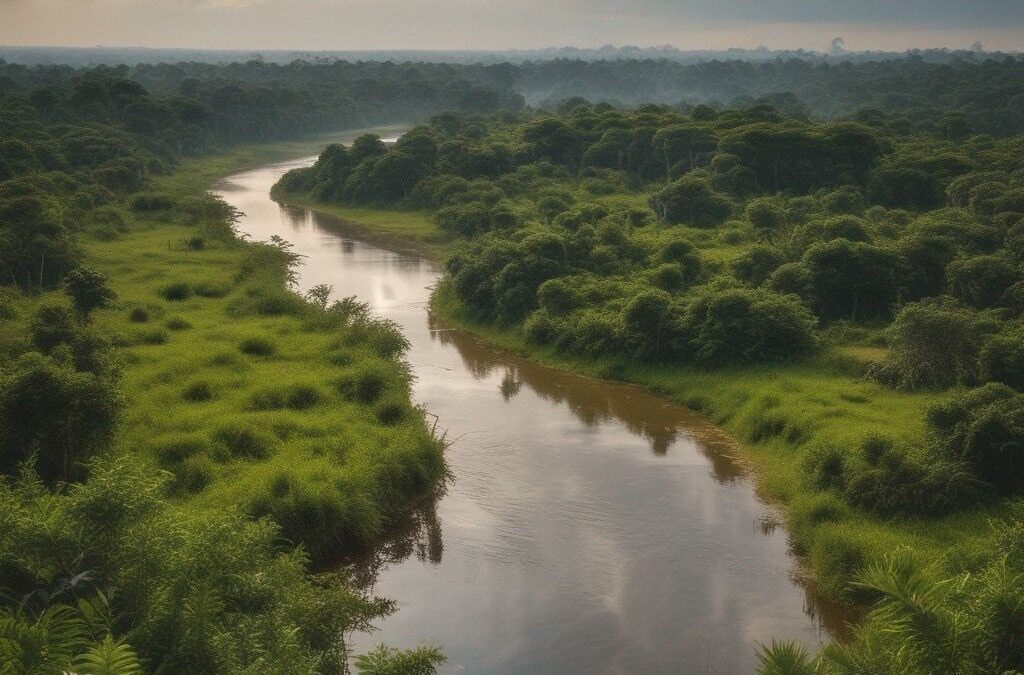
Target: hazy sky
503,24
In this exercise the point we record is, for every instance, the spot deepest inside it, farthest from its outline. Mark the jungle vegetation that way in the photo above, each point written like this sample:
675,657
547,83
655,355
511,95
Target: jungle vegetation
187,446
844,294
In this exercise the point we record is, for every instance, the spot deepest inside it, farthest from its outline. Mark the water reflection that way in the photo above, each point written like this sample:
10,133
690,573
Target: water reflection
416,534
595,402
588,526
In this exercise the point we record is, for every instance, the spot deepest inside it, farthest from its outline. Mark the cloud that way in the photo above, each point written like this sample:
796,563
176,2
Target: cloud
504,24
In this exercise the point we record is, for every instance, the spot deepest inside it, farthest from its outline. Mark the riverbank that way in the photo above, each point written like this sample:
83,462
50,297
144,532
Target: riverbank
777,413
251,397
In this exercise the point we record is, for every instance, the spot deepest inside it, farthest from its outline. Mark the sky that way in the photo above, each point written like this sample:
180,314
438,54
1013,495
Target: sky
510,24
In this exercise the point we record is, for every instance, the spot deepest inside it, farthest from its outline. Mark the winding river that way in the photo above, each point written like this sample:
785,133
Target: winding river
588,527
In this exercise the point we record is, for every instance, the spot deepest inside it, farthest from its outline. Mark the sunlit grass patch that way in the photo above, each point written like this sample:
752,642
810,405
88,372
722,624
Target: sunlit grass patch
231,384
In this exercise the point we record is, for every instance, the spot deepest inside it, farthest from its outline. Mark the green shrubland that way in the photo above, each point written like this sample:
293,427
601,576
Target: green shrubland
842,296
178,465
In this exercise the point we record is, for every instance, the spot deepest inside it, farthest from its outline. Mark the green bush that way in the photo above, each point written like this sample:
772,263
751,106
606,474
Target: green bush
145,202
366,382
197,392
246,441
193,474
153,336
739,325
257,346
173,450
390,412
177,323
295,397
177,291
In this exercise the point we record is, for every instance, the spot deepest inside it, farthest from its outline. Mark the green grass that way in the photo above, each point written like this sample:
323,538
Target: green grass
238,388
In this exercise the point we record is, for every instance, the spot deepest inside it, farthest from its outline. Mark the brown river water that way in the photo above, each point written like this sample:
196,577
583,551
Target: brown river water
588,527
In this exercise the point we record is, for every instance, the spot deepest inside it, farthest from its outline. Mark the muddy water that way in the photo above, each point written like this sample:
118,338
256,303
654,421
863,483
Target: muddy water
588,527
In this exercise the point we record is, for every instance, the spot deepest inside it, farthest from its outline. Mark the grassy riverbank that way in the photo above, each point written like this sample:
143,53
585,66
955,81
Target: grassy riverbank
250,396
777,413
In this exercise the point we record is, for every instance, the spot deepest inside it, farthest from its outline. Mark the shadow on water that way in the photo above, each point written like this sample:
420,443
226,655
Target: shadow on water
587,526
594,402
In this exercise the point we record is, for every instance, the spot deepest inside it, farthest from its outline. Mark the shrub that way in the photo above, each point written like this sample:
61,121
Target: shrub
154,336
302,397
295,397
177,323
244,440
367,382
172,450
668,277
138,314
193,474
757,263
179,290
984,427
825,466
53,325
557,296
327,520
741,325
1001,359
765,213
209,289
982,280
540,328
390,411
257,346
198,392
151,201
932,343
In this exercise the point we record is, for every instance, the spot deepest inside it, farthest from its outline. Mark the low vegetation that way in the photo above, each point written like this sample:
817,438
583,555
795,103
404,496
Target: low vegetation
162,507
841,295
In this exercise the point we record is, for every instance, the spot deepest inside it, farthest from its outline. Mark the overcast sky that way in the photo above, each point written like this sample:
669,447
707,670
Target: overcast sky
505,24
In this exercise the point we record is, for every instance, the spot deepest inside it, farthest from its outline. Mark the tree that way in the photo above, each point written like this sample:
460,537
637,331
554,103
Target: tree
981,281
59,415
551,139
36,249
691,200
683,148
740,325
850,280
647,321
88,290
367,146
757,263
932,343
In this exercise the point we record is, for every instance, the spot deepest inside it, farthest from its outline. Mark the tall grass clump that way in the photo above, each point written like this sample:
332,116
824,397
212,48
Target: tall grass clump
244,440
256,346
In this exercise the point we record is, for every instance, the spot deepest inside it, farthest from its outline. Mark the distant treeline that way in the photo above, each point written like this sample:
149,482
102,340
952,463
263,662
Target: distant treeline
255,97
94,56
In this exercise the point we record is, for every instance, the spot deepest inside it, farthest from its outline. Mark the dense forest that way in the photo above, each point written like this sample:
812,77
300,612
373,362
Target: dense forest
730,240
169,486
175,484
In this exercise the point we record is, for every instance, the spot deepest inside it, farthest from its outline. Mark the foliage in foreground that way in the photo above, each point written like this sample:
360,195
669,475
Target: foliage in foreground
963,625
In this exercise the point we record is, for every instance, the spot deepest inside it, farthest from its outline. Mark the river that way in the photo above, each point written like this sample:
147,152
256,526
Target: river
588,527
